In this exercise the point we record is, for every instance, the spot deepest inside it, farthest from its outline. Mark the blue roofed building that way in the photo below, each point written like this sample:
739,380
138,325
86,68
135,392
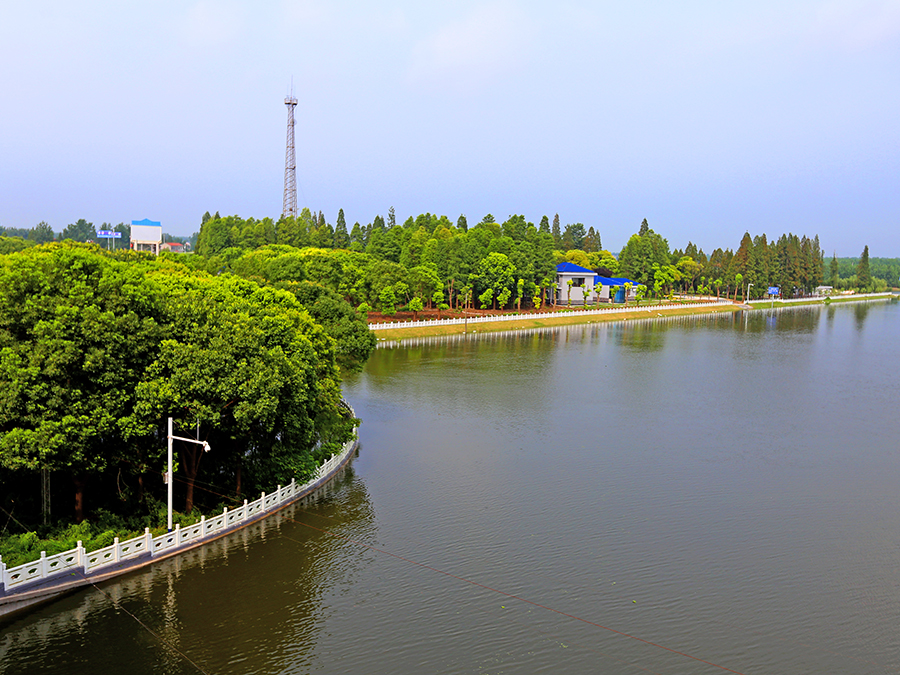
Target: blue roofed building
599,288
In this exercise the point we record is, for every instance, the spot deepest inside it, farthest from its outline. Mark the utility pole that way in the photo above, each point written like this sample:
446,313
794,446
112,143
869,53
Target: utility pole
289,207
168,477
45,494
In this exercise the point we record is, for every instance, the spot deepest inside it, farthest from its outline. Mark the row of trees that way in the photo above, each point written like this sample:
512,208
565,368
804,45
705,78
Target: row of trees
430,262
310,229
97,349
459,257
81,231
427,261
792,263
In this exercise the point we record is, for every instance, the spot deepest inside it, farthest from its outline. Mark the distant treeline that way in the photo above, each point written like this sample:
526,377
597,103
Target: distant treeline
80,230
887,269
430,260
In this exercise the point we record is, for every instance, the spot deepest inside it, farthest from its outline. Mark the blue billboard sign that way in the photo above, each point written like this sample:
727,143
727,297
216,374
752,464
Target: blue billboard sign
108,234
774,290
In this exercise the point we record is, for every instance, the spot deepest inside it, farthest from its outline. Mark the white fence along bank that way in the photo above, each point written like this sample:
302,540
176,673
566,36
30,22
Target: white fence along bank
455,321
821,298
25,577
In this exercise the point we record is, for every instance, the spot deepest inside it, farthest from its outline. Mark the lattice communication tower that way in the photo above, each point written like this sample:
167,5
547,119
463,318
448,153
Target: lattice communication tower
290,162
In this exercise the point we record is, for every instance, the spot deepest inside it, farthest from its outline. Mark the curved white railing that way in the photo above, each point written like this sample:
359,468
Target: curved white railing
23,576
543,315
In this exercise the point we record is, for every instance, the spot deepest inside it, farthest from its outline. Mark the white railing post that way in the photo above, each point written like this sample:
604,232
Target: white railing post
3,581
202,526
43,564
278,496
148,540
262,502
178,534
244,514
84,559
117,552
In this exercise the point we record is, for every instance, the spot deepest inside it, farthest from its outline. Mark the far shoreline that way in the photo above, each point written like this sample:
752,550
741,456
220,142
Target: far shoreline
574,317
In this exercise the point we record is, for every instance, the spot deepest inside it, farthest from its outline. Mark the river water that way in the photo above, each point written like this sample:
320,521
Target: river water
693,495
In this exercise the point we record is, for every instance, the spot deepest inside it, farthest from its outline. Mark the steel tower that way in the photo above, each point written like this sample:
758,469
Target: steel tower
290,162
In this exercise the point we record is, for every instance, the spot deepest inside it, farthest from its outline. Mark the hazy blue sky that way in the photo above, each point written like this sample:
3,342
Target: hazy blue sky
706,118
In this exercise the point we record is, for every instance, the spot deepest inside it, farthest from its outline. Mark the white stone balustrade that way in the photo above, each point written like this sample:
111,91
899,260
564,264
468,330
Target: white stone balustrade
24,577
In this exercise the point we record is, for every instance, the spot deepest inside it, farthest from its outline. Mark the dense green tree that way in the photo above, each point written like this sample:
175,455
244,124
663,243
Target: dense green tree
416,306
592,242
14,244
411,253
486,298
604,262
80,230
556,232
42,233
573,237
863,274
645,228
357,238
341,238
494,272
640,254
125,230
740,262
252,367
97,349
76,332
353,341
544,227
216,235
424,282
387,301
689,270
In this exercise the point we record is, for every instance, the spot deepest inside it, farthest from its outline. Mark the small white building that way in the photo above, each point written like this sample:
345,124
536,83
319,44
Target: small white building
146,235
599,288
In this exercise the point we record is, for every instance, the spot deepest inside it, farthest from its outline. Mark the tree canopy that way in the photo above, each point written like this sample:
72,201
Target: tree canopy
97,350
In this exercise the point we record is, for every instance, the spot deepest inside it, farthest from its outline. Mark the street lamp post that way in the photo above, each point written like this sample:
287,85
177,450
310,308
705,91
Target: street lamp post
169,480
747,297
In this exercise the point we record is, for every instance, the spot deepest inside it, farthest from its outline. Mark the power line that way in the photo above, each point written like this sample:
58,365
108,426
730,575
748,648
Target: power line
146,627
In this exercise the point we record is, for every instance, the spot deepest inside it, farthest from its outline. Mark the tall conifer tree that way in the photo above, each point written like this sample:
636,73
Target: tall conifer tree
863,275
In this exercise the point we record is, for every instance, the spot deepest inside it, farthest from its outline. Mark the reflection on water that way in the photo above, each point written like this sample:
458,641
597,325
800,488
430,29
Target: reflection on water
252,597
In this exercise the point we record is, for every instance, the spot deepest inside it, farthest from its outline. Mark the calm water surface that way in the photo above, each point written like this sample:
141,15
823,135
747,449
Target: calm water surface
724,487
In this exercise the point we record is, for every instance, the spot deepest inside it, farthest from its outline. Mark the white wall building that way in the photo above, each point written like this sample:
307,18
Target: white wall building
146,235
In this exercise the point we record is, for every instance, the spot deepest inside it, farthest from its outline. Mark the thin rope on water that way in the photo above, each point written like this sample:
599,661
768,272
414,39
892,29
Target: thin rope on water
152,632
